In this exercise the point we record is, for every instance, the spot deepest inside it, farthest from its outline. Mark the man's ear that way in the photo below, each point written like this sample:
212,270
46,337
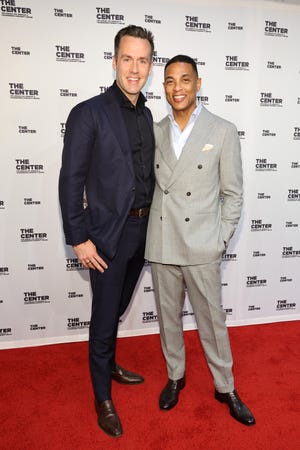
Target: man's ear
199,84
151,67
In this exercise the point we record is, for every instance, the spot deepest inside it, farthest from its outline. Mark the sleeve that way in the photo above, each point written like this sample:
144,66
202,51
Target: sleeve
76,156
231,182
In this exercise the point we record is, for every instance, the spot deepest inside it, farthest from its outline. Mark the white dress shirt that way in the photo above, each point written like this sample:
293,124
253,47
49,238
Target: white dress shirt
179,137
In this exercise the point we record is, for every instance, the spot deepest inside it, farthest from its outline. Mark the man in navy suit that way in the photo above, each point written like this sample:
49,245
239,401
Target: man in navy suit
108,157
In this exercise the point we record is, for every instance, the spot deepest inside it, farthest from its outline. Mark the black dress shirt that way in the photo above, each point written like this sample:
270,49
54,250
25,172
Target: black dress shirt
142,146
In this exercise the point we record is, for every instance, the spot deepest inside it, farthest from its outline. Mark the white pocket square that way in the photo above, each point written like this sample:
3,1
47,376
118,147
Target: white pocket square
207,147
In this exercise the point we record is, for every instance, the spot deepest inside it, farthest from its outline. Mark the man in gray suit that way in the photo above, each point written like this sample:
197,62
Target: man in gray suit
195,210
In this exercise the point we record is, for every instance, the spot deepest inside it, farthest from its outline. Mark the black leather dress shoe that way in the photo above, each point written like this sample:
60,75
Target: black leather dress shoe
170,394
108,419
124,376
238,409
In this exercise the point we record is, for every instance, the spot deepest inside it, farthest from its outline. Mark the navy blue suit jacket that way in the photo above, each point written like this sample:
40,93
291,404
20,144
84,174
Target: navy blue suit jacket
97,159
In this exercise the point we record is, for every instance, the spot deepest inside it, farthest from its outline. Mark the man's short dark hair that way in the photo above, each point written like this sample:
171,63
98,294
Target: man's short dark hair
134,31
183,59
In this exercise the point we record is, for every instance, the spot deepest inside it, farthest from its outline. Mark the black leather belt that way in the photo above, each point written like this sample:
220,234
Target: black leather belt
141,212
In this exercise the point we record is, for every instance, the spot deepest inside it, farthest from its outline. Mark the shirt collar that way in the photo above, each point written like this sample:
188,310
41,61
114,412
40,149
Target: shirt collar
194,114
124,101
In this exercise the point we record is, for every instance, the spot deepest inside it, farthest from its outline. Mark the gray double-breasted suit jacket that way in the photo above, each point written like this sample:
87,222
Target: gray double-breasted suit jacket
198,198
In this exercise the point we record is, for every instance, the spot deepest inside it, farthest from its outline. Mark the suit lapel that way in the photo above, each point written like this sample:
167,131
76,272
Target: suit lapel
118,127
197,139
166,149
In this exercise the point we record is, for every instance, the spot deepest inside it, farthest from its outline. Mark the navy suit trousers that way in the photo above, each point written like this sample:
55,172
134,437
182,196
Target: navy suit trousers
112,292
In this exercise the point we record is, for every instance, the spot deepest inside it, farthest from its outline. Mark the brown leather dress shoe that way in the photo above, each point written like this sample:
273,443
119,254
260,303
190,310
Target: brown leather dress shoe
108,418
124,376
238,410
170,394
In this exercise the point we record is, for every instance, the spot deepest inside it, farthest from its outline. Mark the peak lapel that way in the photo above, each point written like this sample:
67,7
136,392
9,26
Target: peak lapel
197,139
165,147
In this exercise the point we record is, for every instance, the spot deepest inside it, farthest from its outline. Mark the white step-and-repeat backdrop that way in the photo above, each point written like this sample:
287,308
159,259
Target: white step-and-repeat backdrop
55,54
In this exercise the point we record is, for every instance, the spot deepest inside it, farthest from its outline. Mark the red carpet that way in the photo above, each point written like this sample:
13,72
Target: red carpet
47,400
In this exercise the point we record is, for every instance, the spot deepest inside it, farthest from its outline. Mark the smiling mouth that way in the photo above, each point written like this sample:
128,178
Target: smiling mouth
178,98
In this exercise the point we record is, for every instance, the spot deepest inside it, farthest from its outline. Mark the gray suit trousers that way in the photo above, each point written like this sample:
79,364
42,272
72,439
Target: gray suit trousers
203,283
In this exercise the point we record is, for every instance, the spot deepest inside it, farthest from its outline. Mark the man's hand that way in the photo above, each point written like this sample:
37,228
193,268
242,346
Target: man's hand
88,256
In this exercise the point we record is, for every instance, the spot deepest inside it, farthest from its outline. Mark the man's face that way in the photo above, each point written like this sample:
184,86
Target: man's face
132,65
181,86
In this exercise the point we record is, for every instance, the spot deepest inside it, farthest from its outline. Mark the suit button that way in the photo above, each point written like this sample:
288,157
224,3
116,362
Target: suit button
187,219
157,166
200,166
160,217
166,191
133,188
188,194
